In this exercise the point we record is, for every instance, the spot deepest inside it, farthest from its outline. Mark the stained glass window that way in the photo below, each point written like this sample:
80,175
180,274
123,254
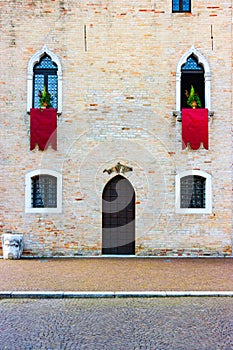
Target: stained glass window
44,191
45,74
192,191
181,5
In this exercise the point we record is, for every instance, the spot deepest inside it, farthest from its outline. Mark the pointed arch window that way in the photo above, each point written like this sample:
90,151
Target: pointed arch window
44,69
193,69
45,74
192,74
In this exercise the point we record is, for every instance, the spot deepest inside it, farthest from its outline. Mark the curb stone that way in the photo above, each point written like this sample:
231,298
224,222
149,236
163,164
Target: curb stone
107,294
88,295
36,295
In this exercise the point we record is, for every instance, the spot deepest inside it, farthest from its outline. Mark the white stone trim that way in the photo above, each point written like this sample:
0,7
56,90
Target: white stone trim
28,207
35,59
207,76
208,193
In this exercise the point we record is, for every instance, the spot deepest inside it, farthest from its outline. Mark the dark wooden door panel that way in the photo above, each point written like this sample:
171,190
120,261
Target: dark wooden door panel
118,217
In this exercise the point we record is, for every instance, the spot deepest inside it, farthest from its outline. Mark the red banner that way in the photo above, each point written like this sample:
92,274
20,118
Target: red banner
195,128
43,128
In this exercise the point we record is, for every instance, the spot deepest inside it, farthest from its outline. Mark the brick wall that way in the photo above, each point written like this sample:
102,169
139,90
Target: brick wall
119,92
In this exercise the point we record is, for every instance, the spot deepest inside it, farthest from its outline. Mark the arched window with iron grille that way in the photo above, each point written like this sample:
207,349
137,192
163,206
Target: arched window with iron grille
192,191
44,191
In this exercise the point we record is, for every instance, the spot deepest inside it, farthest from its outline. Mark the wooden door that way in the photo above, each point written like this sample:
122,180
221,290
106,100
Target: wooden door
118,217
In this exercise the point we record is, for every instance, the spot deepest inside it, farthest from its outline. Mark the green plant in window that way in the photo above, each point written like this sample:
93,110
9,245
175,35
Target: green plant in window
45,98
193,98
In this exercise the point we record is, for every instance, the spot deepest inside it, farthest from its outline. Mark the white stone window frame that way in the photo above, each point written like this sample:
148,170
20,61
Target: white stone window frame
34,60
208,193
28,193
207,79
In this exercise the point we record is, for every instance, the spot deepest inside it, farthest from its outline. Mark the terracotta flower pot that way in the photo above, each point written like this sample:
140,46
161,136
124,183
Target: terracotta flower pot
194,104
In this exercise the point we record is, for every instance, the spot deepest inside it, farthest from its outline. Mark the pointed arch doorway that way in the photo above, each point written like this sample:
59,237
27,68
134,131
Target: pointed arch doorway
118,217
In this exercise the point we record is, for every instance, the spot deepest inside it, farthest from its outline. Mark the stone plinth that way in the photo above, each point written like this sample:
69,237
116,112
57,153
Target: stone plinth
12,246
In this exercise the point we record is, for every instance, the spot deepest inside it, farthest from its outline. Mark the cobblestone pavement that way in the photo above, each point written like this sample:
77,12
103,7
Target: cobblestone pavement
117,324
119,274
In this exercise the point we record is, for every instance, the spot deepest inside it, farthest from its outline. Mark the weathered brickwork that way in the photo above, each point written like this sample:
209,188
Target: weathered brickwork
119,62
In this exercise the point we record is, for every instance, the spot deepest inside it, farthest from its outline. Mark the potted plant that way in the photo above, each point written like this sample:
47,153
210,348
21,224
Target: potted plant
193,98
45,98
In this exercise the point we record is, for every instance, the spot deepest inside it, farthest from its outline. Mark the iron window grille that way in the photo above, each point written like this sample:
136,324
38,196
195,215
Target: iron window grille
181,5
44,191
45,74
192,192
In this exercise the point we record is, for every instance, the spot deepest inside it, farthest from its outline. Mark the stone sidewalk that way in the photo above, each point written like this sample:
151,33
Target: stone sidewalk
99,274
117,324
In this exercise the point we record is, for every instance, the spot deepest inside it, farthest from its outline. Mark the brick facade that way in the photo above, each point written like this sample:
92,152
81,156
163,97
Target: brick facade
119,63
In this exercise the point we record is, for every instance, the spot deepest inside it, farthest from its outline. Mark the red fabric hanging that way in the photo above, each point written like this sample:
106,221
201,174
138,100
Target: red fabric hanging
43,128
195,128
